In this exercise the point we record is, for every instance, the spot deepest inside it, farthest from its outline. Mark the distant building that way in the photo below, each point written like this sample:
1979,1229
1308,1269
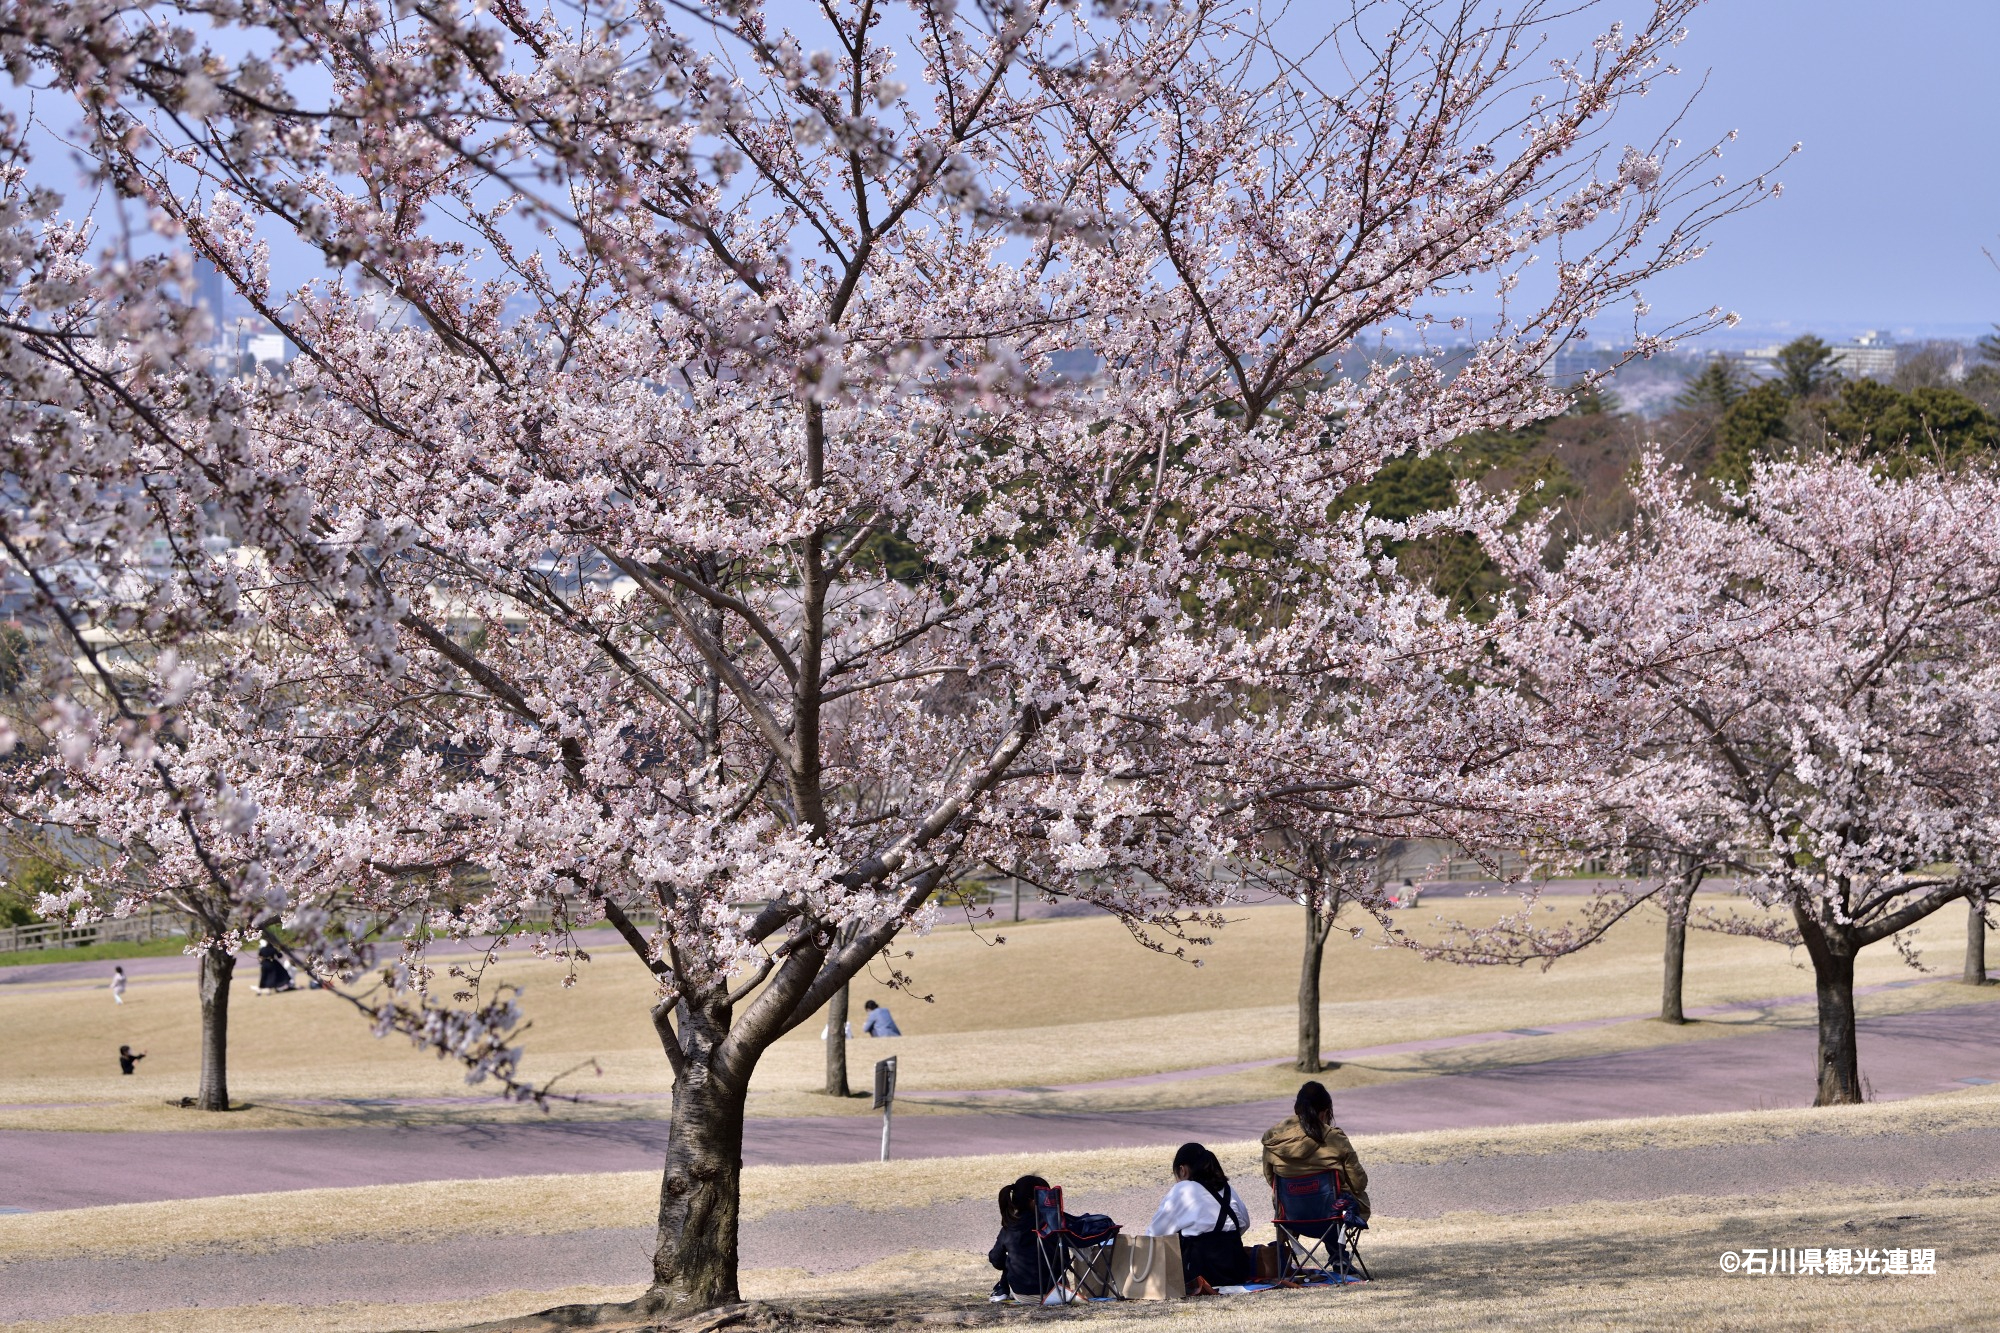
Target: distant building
211,293
266,349
1756,363
1577,358
1870,356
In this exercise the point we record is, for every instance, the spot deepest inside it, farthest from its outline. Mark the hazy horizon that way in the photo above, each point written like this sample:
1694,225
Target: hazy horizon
1889,207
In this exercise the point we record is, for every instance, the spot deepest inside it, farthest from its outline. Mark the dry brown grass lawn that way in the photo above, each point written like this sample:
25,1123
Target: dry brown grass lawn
536,1205
1627,1266
1018,1002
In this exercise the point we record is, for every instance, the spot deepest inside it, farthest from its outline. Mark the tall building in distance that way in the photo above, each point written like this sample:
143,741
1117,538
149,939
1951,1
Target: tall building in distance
211,293
1869,357
241,339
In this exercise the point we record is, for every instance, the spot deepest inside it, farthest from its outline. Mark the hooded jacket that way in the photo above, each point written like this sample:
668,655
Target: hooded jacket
1290,1151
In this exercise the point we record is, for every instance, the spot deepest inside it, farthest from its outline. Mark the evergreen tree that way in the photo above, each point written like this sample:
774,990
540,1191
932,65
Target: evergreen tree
1715,389
1805,367
1884,421
1748,430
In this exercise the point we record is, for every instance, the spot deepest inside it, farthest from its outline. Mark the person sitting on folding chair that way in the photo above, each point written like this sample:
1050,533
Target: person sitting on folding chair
1209,1217
1308,1143
1318,1183
1016,1252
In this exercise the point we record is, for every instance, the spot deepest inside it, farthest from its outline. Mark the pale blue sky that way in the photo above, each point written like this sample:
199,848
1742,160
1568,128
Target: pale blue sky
1885,212
1887,209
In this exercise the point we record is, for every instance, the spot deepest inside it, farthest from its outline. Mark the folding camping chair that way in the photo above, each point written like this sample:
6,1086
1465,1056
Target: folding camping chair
1319,1226
1075,1252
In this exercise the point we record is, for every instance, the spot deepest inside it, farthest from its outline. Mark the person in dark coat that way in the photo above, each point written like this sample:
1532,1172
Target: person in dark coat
1016,1252
128,1059
272,974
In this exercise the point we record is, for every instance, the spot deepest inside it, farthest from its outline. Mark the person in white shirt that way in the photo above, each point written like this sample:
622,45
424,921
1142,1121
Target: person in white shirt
1210,1219
1191,1204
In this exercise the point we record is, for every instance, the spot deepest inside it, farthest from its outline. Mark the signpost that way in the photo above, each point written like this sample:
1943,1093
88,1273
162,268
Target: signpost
885,1096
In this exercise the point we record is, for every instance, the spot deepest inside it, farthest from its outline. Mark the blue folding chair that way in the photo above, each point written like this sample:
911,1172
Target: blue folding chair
1075,1252
1319,1224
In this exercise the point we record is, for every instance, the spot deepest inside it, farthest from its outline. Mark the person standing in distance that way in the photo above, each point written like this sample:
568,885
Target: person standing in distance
118,984
878,1023
128,1059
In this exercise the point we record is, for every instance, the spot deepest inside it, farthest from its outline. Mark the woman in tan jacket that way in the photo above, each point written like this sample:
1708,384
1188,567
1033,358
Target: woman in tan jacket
1308,1142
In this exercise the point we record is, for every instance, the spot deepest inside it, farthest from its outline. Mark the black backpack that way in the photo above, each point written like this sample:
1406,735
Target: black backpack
1216,1254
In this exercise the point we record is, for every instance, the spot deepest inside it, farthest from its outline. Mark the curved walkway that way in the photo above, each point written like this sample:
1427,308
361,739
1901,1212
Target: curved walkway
1901,1055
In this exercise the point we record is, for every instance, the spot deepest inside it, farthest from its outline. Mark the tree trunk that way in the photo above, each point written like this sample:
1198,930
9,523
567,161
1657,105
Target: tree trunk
1833,982
1673,964
1318,926
217,966
1670,973
1975,939
836,1044
694,1262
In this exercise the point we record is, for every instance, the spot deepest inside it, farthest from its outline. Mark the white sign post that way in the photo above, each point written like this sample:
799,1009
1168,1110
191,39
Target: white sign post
885,1096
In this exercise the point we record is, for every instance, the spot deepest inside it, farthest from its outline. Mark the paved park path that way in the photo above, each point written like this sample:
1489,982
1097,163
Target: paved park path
1901,1056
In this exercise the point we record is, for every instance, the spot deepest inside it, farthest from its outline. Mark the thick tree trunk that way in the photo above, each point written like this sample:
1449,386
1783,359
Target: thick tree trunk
1975,939
1833,981
217,966
694,1263
836,1044
1318,927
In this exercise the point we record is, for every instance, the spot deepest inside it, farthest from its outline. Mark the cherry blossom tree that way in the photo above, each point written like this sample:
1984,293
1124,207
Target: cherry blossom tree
128,474
103,534
755,477
1400,739
1801,683
1648,817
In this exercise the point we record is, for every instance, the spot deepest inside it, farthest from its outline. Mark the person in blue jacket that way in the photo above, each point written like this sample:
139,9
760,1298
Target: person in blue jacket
878,1023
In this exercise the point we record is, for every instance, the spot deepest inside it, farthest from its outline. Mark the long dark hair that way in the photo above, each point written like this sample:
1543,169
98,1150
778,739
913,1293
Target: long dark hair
1018,1199
1202,1166
1314,1108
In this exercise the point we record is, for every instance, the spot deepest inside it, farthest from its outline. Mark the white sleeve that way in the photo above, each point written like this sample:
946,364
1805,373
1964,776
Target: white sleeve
1237,1206
1180,1210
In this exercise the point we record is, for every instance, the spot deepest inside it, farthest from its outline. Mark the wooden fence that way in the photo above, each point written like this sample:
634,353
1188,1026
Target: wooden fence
121,930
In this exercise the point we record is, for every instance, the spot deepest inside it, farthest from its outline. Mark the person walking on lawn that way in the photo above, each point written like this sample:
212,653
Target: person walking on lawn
878,1023
118,984
1308,1142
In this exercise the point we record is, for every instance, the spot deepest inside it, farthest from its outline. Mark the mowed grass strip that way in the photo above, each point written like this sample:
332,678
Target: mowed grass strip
1596,1266
540,1205
1069,1001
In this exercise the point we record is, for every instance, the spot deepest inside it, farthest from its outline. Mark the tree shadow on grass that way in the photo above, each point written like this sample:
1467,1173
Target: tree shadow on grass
1506,1276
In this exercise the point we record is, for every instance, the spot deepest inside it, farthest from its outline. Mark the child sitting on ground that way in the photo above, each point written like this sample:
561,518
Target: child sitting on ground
1016,1250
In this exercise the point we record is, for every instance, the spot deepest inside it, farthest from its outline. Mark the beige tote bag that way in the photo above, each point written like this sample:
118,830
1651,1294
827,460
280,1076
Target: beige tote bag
1148,1268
